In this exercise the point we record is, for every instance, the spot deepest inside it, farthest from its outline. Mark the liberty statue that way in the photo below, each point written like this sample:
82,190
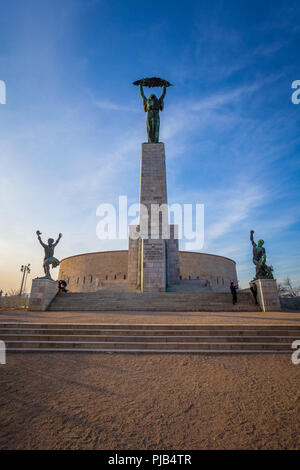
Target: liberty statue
153,105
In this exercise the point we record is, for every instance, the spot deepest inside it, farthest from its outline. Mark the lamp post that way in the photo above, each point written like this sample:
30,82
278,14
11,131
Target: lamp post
25,280
25,270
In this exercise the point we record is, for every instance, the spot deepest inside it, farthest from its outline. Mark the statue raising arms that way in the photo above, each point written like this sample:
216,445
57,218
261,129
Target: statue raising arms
49,258
152,106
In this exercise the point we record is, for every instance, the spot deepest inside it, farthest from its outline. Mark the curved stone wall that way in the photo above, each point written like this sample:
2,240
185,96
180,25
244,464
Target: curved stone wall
93,271
218,270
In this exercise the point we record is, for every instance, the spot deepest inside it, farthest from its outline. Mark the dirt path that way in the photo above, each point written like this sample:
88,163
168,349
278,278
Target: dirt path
195,318
130,401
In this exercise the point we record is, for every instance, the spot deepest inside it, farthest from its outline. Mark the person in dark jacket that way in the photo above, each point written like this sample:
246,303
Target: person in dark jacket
62,286
253,289
233,289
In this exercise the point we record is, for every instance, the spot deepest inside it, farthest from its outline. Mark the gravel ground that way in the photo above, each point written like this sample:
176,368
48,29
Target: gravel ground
131,401
194,318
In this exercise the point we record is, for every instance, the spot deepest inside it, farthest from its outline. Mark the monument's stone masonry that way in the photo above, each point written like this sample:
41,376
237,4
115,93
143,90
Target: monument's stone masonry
153,262
153,184
133,258
90,272
173,271
43,292
219,271
267,295
157,255
153,265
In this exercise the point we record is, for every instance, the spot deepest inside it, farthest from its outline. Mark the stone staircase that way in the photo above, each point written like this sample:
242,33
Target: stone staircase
189,286
105,301
22,337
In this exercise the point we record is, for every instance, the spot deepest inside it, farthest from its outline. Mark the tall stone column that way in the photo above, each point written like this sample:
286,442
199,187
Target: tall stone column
173,257
154,255
153,182
133,258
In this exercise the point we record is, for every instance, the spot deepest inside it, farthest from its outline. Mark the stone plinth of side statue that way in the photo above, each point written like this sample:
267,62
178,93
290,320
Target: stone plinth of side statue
267,295
44,289
264,286
42,293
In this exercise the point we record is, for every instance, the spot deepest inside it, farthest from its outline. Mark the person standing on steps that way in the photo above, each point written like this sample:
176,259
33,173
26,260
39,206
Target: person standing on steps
253,289
233,289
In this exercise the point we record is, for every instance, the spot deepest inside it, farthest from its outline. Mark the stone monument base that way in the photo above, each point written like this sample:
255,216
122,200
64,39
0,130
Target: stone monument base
267,295
42,293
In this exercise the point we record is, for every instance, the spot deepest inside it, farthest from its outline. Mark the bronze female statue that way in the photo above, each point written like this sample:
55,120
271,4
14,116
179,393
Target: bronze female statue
153,105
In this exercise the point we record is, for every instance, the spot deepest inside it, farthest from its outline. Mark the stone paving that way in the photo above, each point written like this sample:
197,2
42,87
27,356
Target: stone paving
193,318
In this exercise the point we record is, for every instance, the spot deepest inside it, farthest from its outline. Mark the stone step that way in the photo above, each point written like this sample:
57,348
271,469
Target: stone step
117,345
121,303
163,296
24,337
152,351
10,333
189,286
141,301
152,296
141,306
168,307
162,301
109,307
144,338
4,326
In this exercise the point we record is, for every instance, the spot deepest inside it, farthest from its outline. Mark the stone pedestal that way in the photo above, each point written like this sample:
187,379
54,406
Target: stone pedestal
173,269
153,183
133,258
42,293
267,295
153,265
153,258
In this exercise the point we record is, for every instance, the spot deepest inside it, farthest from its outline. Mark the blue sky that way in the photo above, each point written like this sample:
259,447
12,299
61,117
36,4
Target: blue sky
71,130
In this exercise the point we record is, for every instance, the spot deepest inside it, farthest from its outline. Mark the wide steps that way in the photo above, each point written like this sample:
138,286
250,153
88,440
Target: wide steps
164,301
189,286
148,338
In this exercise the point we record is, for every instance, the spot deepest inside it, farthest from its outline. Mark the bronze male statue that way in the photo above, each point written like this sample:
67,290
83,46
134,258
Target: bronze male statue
49,258
263,271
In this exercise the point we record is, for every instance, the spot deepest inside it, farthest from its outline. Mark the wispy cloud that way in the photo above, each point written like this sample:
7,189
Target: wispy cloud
220,99
235,208
111,106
